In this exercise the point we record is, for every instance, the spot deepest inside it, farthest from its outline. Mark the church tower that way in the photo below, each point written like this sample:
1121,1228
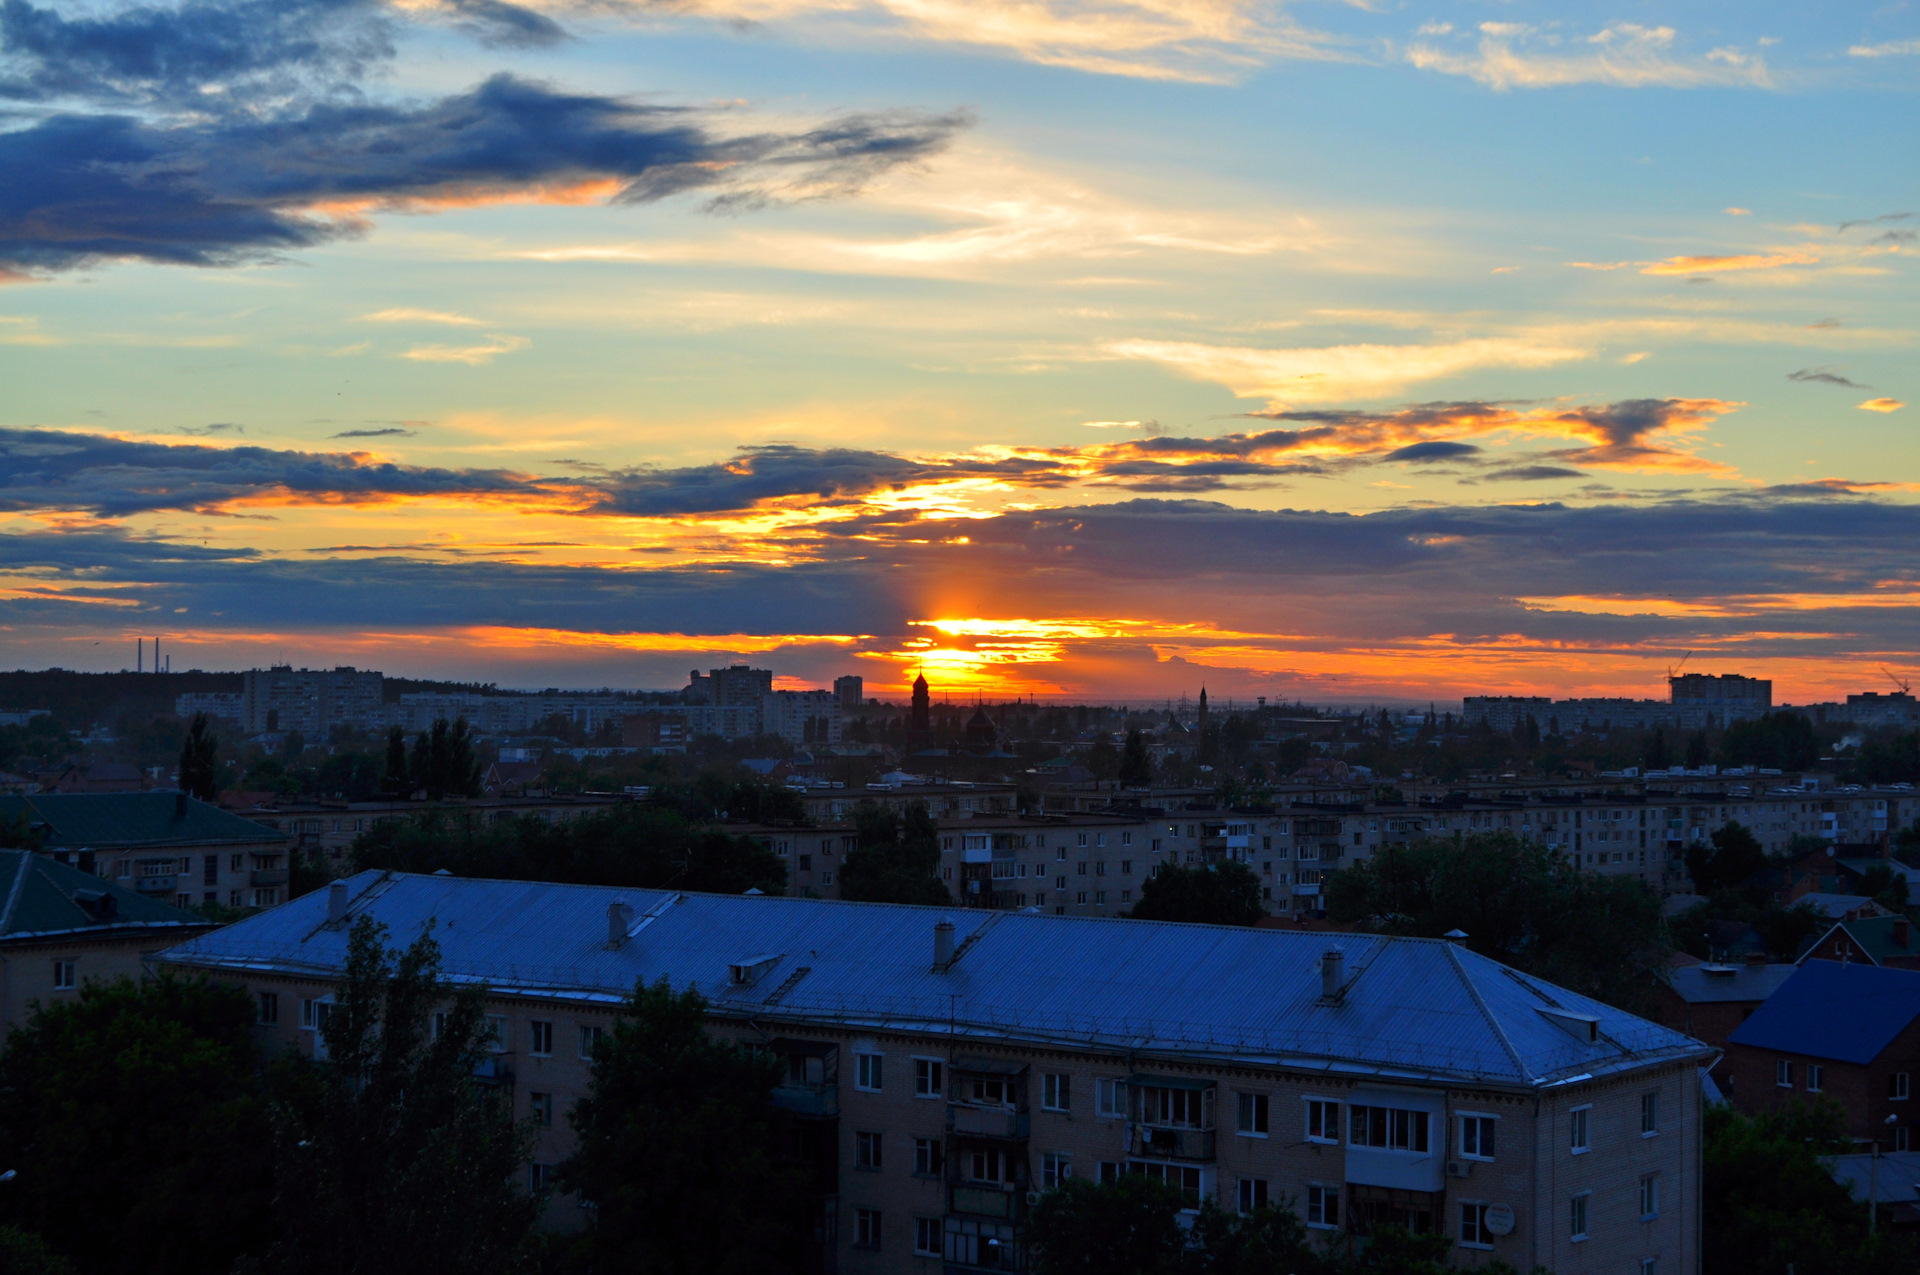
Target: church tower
920,724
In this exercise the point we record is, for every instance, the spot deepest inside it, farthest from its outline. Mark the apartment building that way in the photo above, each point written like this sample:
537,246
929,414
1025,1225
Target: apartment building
165,846
311,701
947,1067
329,827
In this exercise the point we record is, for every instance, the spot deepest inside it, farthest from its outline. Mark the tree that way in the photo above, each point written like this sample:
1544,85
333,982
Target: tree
896,858
1263,1242
1894,760
1657,755
1220,894
1783,741
397,781
1136,767
392,1155
137,1125
199,760
24,1253
1885,886
1768,1202
1736,855
1519,903
1698,751
443,762
1129,1226
682,1150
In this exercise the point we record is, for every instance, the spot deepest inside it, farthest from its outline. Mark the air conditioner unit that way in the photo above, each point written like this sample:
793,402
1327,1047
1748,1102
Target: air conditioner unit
1033,1197
1459,1168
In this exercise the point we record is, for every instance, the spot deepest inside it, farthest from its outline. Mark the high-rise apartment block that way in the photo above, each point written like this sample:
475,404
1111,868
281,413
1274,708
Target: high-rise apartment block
311,701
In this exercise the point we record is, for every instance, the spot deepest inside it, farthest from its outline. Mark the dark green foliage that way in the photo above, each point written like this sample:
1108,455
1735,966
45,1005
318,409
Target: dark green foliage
1219,894
1657,755
682,1151
20,833
1699,752
1888,760
1136,767
1783,741
134,1119
1768,1202
24,1253
1126,1227
1519,903
896,858
625,845
394,781
391,1155
1736,855
200,760
713,795
443,763
1263,1242
1885,886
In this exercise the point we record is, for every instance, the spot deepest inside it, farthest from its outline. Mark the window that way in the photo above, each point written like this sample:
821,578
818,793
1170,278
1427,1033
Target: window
1253,1114
866,1150
1897,1089
1323,1206
1082,898
1110,1098
1184,1177
266,898
1323,1121
993,1093
1649,1266
1476,1137
1393,1128
1083,867
928,1082
1109,1173
210,870
1473,1226
1816,1077
926,1236
590,1038
1577,1125
1649,1114
866,1228
499,1033
233,898
540,1038
1055,1168
1253,1194
234,864
269,1007
1577,1217
540,1107
1056,1091
314,1011
538,1177
1126,867
1649,1197
928,1159
63,976
987,1165
1783,1073
867,1071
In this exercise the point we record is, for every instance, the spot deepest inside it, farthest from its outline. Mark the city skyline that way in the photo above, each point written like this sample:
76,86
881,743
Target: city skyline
1093,351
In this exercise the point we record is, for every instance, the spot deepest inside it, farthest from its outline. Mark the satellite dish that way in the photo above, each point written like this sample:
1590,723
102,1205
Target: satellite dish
1499,1219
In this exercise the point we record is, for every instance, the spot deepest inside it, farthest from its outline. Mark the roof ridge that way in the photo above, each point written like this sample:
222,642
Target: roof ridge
1499,1031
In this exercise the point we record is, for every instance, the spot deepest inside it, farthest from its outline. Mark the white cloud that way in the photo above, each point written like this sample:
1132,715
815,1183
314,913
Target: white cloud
472,355
403,314
1890,49
1342,372
1624,55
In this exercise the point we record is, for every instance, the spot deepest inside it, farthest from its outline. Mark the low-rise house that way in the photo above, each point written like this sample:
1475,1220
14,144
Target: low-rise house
165,845
952,1065
1887,940
1708,1000
1890,1180
1840,1030
61,928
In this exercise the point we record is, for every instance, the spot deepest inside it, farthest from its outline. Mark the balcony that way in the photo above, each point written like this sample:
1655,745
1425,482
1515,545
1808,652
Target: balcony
983,1201
1171,1144
154,885
820,1102
267,876
986,1122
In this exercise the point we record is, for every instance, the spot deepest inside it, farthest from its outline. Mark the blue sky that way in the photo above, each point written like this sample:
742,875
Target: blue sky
568,344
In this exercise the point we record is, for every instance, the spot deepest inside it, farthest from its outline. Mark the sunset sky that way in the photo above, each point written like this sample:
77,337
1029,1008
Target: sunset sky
1075,348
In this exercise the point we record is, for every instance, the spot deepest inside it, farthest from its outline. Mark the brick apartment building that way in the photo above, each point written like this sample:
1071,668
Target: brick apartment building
952,1065
1836,1030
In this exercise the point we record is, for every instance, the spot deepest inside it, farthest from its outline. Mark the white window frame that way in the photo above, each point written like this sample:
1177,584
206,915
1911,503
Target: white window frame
591,1034
1481,1134
66,977
1056,1091
1056,1167
1900,1087
1649,1196
1256,1187
1783,1073
1110,1098
1816,1077
540,1037
1478,1210
932,1153
929,1077
1317,1196
1580,1217
1580,1129
1650,1114
865,1061
1329,1113
922,1228
1261,1108
501,1027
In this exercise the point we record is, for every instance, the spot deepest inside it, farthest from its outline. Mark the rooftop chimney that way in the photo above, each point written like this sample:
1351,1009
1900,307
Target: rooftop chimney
942,943
337,903
619,920
1333,979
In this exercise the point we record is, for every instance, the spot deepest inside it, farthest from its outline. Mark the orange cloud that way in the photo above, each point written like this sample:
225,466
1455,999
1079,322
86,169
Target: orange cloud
1745,261
1882,405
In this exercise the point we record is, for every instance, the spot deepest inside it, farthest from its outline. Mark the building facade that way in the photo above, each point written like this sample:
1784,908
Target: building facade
945,1069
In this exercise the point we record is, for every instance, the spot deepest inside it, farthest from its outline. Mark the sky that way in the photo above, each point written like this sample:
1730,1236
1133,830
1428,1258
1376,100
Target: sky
1079,349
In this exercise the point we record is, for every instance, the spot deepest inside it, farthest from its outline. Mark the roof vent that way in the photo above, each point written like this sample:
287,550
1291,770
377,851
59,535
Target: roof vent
619,921
1582,1027
1455,936
942,944
337,903
1333,974
747,971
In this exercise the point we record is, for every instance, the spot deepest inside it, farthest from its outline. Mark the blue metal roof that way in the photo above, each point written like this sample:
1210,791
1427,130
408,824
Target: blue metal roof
1846,1012
1418,1008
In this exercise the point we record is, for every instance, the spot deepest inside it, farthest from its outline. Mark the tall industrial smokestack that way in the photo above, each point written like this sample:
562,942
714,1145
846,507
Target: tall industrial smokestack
139,655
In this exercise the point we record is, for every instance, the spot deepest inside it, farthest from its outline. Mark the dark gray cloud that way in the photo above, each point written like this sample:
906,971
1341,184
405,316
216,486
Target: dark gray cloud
1883,217
1825,376
1433,451
498,24
82,188
1530,473
391,431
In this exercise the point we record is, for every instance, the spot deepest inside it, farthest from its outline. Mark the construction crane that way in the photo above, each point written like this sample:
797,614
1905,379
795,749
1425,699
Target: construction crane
1673,670
1906,687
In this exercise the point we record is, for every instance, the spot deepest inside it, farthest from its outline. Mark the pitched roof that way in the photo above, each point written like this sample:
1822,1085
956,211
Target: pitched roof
1877,936
39,897
1413,1008
103,820
1830,1009
1709,984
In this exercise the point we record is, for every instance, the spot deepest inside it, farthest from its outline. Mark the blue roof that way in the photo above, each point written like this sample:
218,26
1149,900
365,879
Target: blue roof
1414,1008
1847,1012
